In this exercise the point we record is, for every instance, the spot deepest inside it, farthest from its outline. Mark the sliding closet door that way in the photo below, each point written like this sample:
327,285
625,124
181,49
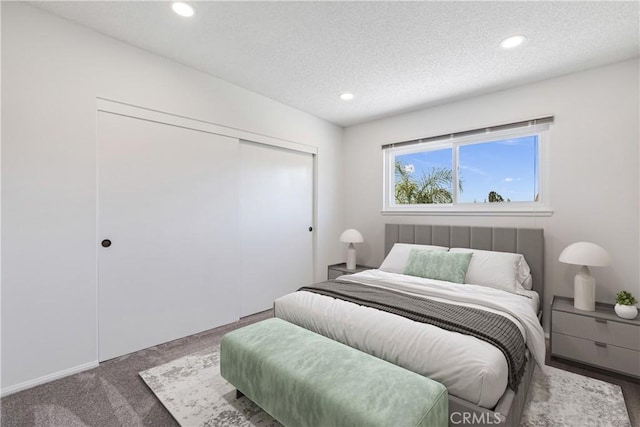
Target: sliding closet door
167,232
276,212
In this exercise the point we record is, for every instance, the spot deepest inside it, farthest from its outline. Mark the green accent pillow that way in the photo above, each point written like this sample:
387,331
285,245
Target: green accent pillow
438,265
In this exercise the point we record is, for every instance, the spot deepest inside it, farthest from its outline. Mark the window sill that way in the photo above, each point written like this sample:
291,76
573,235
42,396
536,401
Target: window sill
451,211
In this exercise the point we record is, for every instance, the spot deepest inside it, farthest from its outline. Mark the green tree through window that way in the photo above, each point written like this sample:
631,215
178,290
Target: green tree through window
495,197
433,186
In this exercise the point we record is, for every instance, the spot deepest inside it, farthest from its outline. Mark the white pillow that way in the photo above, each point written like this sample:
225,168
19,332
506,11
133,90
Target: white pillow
524,273
499,270
398,256
528,283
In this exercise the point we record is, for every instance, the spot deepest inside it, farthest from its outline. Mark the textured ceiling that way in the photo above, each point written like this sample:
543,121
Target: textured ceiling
394,56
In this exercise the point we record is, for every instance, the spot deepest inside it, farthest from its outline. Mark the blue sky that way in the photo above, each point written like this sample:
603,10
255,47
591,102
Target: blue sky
505,166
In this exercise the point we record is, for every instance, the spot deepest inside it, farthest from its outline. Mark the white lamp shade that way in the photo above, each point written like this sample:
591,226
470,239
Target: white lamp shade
585,253
351,236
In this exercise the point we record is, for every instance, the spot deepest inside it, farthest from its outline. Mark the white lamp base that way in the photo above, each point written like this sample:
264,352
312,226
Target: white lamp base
584,290
351,257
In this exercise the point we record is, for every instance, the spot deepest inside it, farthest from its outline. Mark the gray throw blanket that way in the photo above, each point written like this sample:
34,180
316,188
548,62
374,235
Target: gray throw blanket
490,327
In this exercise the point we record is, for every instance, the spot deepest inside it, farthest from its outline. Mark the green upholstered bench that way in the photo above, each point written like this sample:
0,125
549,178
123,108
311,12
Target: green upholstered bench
304,379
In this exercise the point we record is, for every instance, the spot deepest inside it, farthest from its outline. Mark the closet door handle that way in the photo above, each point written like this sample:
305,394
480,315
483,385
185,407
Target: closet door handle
106,243
600,344
310,228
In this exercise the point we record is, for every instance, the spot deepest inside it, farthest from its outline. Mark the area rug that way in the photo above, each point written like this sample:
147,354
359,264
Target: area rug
193,391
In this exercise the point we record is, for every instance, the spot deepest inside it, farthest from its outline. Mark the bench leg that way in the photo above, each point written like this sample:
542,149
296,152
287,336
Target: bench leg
239,394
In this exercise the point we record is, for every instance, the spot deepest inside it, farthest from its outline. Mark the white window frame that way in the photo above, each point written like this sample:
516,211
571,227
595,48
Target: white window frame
534,208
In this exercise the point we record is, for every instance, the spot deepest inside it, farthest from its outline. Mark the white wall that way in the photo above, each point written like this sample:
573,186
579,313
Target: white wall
52,71
594,169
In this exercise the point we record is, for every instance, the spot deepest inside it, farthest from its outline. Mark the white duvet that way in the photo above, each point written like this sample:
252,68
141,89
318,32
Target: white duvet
471,369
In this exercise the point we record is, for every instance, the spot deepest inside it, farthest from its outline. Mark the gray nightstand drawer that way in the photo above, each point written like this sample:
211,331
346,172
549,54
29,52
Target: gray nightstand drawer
334,274
596,329
597,354
336,270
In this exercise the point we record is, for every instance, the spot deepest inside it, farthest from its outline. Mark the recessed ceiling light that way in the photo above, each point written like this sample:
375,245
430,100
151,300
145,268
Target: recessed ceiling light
511,42
182,9
346,96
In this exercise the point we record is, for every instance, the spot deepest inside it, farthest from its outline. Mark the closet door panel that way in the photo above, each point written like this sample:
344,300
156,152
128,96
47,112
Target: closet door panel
276,211
168,203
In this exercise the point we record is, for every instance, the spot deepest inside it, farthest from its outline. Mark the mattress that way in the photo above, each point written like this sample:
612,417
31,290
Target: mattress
471,369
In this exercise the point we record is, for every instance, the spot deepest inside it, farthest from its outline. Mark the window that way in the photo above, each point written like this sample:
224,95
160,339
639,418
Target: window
500,171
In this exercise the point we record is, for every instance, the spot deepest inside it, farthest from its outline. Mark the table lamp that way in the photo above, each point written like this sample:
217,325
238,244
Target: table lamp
584,285
351,236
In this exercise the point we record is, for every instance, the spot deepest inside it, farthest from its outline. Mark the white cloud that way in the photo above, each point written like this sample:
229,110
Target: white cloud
509,142
410,168
474,170
508,179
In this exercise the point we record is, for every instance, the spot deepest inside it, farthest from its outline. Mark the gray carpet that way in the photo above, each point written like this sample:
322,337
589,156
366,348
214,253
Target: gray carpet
192,389
113,394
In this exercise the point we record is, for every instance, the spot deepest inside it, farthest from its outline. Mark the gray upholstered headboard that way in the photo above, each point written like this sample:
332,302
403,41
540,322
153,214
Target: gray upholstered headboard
526,241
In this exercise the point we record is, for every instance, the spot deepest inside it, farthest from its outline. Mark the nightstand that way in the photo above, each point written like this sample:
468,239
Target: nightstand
598,338
336,270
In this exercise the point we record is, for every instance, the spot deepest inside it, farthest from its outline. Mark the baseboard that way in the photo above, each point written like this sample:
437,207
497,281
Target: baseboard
45,379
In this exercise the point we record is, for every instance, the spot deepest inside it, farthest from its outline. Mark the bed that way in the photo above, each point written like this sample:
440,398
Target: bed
478,374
